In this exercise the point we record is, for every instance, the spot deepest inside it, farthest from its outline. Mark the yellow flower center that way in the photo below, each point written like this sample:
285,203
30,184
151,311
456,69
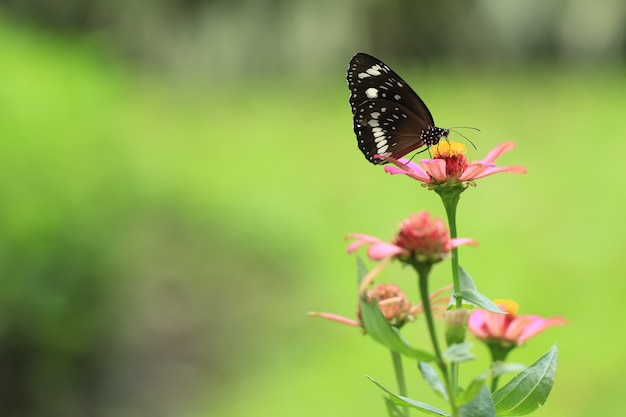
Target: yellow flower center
509,306
447,149
453,153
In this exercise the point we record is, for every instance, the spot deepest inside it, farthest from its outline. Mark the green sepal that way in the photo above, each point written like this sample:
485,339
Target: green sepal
432,379
529,389
407,402
470,294
480,406
381,331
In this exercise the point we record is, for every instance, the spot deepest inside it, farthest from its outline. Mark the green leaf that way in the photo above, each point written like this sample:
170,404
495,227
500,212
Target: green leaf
459,352
361,269
432,379
529,389
473,389
380,330
407,402
392,409
480,406
470,293
500,368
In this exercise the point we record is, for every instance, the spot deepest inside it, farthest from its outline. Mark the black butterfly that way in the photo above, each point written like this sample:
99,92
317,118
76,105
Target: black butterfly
389,117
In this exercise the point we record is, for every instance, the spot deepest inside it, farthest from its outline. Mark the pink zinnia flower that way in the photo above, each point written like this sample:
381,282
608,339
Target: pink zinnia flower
420,238
508,330
449,166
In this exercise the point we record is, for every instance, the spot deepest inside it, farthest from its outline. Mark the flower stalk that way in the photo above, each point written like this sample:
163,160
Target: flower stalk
450,198
423,270
396,358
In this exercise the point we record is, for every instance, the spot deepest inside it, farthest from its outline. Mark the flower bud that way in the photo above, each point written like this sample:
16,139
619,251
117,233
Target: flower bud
393,303
456,325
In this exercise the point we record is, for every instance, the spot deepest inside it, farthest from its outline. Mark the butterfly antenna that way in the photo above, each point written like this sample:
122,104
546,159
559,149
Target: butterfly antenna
462,135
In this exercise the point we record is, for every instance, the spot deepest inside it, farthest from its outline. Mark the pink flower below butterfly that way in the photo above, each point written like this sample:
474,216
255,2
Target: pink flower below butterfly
449,166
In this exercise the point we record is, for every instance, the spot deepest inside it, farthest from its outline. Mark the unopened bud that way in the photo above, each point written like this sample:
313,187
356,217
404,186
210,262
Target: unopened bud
456,325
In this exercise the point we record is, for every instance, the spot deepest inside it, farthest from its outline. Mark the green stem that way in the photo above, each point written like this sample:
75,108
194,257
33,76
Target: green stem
494,384
450,198
498,354
399,371
450,202
423,270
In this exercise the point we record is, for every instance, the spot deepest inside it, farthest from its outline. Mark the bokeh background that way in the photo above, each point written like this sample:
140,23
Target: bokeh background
177,177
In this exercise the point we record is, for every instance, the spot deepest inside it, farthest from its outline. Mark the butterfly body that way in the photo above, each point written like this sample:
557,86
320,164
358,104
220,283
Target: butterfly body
389,118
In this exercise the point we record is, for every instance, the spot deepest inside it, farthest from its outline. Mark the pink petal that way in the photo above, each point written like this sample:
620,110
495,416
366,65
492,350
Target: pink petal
472,172
415,174
412,166
495,324
354,246
540,324
514,169
361,240
395,170
335,317
408,168
479,170
402,163
516,328
499,150
382,250
436,168
477,324
458,241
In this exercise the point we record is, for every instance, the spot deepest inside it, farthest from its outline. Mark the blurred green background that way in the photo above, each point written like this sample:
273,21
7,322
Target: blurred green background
177,178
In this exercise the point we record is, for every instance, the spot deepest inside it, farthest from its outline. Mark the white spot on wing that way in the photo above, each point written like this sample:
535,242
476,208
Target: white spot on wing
373,71
371,92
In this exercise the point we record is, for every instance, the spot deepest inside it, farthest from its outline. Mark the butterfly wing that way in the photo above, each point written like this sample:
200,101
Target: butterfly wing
387,128
370,78
389,117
